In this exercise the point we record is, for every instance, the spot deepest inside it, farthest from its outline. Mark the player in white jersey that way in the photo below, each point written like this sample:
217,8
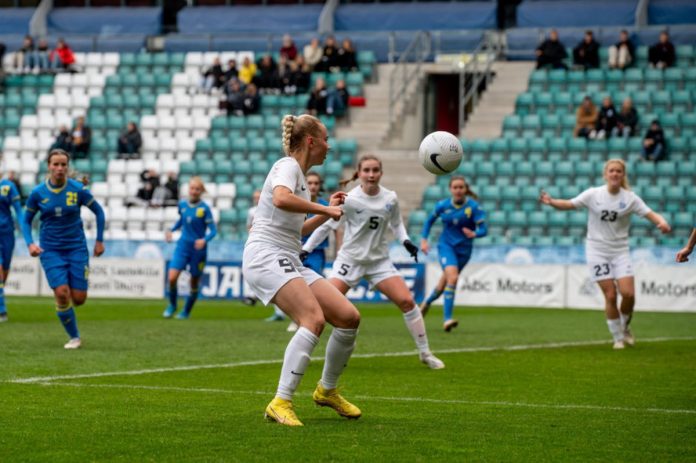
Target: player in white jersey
606,247
683,254
272,268
368,211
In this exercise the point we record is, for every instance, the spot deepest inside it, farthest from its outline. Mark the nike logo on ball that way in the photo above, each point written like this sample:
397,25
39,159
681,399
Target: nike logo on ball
433,159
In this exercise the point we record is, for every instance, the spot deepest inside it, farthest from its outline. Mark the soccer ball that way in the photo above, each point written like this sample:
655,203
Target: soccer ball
440,153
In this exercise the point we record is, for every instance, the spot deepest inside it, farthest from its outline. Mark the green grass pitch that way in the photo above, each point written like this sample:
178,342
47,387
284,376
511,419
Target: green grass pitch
520,385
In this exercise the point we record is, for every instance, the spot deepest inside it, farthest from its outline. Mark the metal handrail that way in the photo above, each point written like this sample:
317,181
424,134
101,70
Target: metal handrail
408,68
478,74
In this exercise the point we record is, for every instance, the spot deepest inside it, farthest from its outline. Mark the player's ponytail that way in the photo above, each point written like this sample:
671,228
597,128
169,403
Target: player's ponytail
624,181
356,174
295,128
467,189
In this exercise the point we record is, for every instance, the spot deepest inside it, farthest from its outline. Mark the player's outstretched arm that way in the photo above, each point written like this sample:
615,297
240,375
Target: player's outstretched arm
659,221
560,204
98,211
683,255
29,213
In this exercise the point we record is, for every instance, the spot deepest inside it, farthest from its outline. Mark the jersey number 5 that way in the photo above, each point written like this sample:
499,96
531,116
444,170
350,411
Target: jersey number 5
71,198
286,265
374,222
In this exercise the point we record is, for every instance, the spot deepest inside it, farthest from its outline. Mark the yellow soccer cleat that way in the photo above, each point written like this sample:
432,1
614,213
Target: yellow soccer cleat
331,398
281,411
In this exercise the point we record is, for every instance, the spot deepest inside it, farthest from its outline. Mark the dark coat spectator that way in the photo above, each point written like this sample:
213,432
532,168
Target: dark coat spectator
231,72
294,79
551,52
627,120
621,55
337,100
654,146
42,55
316,105
251,101
267,76
606,121
586,53
585,118
25,57
288,50
173,186
329,58
234,98
129,142
151,177
81,138
62,57
662,54
312,53
347,58
214,76
63,140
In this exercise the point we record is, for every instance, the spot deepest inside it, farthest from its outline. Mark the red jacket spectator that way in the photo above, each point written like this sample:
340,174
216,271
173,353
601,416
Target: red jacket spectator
289,50
63,53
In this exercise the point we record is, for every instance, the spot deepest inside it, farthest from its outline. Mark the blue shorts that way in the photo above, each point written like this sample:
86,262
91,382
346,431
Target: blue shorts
451,256
186,254
316,261
6,247
69,267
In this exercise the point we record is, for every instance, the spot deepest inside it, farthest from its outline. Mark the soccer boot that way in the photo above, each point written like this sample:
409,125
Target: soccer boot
275,318
618,345
450,324
331,398
169,311
182,316
629,340
3,317
281,411
74,343
424,307
433,362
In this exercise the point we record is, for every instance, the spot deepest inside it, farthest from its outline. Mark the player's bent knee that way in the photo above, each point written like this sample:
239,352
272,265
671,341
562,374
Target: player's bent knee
406,304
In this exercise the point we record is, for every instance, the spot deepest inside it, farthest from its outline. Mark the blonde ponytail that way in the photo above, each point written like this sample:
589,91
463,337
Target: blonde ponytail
295,128
287,125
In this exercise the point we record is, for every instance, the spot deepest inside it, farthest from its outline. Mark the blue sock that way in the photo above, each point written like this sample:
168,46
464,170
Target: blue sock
434,295
191,300
3,308
69,320
173,294
449,301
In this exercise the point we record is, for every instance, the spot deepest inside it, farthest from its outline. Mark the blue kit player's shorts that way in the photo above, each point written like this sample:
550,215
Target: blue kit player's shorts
316,261
6,247
185,254
450,256
66,268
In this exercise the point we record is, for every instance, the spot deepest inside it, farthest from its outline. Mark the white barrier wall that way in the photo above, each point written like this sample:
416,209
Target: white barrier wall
24,277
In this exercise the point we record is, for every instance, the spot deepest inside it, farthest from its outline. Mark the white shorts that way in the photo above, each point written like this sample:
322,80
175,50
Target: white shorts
350,272
609,267
267,268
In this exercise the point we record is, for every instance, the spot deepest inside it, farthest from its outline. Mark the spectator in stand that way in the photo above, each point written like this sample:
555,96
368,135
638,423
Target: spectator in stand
231,72
303,76
662,54
288,50
173,186
329,58
586,53
129,142
316,105
81,139
347,58
585,118
63,140
266,79
654,146
294,80
248,71
150,176
25,57
312,53
627,120
62,57
606,122
252,100
42,53
214,76
621,55
337,99
235,98
551,52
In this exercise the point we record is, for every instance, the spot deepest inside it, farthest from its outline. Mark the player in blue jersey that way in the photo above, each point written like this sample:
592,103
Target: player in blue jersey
195,219
9,198
463,221
63,251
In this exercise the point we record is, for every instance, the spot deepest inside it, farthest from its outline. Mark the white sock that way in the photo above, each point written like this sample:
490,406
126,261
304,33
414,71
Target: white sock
416,326
295,362
625,320
615,329
338,352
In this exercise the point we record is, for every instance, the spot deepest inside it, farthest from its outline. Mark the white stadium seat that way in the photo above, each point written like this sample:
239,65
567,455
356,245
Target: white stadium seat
62,80
117,166
29,121
111,59
118,190
227,190
194,58
79,80
134,166
100,189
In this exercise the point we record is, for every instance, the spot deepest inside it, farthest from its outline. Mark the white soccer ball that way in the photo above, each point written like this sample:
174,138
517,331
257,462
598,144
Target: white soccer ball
440,153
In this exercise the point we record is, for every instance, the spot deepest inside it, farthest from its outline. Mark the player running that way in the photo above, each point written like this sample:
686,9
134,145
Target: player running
195,219
606,249
9,199
63,251
463,221
369,210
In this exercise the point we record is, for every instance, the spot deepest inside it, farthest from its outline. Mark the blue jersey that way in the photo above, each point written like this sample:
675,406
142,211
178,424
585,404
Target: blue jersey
9,197
194,220
324,244
61,225
454,218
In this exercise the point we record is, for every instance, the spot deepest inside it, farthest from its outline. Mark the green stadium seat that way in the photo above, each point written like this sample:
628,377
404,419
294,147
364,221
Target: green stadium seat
524,103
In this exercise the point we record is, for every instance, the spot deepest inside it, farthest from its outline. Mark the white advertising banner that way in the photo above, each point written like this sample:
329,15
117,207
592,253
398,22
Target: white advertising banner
24,277
507,285
123,278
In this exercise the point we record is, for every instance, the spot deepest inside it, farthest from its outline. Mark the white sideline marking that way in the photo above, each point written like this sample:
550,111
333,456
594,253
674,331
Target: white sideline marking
552,345
390,399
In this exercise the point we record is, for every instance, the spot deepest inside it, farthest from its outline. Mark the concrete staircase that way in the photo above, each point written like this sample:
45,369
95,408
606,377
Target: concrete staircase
498,100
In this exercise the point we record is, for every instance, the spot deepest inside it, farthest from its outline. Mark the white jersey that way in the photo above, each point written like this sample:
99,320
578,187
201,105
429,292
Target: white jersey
273,225
609,217
366,220
250,216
